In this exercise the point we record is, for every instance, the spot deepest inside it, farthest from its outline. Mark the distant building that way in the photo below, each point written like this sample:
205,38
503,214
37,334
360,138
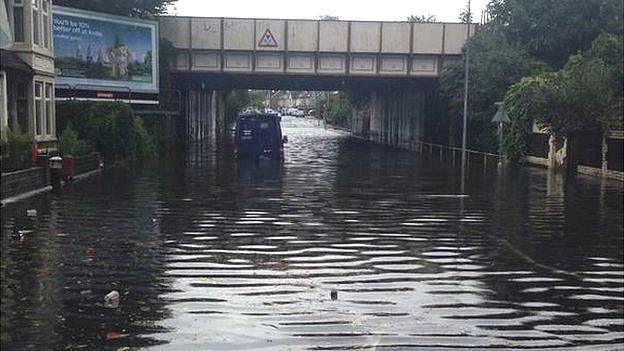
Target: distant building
27,70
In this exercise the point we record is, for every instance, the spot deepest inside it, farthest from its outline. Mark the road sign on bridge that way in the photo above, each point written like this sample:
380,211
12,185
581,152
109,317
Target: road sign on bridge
268,40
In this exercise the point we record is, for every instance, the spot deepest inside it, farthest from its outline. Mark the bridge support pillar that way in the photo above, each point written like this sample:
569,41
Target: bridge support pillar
392,118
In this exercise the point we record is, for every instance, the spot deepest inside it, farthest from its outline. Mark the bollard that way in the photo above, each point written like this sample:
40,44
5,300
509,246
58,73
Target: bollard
68,168
56,169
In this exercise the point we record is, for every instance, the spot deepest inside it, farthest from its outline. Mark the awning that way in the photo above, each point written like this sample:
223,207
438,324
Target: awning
9,59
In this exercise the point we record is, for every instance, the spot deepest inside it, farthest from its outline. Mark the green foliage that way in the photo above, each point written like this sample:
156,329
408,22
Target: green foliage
609,49
17,150
521,103
257,98
339,111
428,18
495,65
580,97
235,101
552,30
133,8
161,131
70,144
166,55
111,128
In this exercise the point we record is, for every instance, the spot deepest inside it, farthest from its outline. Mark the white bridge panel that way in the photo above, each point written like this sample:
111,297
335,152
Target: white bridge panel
302,35
395,38
333,36
363,64
365,36
206,61
331,63
393,64
455,37
238,34
206,33
302,63
428,38
424,65
237,61
271,62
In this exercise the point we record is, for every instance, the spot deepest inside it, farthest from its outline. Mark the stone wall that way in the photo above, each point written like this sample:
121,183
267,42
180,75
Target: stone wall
22,181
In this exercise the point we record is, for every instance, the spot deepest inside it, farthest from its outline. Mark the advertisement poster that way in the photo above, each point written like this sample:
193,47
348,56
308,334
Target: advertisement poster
95,51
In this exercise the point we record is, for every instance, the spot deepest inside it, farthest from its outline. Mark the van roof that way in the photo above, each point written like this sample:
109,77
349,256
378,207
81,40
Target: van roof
244,116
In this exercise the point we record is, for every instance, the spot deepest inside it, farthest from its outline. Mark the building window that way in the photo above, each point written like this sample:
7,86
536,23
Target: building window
22,106
45,23
36,20
49,113
18,20
39,112
4,123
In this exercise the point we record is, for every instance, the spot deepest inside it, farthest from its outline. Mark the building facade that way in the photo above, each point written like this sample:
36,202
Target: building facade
27,71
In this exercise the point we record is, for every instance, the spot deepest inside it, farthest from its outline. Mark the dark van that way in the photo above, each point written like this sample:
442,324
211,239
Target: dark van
259,135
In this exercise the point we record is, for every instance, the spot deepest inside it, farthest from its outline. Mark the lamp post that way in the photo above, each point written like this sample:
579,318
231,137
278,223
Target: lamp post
465,120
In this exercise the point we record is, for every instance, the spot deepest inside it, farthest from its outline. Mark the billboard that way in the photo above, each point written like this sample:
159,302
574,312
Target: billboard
95,51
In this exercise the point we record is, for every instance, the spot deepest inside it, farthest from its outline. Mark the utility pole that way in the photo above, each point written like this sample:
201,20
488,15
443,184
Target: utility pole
465,120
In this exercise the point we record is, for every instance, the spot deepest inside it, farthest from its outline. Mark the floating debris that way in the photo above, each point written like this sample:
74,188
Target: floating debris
334,294
111,300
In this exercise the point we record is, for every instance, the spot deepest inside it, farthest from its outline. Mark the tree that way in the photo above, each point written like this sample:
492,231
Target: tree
428,18
576,99
133,8
552,30
465,16
495,65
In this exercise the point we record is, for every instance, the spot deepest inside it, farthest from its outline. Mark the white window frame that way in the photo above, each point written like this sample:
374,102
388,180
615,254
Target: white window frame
17,4
38,111
48,106
36,23
45,22
4,113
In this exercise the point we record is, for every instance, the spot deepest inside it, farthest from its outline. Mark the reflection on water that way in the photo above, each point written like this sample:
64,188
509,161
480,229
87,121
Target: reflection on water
210,254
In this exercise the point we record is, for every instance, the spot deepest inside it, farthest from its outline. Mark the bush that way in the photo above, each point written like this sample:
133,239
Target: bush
111,128
17,149
70,144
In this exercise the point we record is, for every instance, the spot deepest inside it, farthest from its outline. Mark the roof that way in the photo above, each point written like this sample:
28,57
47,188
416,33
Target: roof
10,59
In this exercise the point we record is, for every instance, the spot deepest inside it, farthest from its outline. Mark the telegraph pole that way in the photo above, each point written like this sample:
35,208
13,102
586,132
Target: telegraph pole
465,120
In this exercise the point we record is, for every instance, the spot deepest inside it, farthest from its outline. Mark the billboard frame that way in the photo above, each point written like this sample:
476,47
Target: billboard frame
87,84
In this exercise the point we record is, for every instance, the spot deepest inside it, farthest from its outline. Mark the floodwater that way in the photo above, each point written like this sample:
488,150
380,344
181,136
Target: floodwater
208,254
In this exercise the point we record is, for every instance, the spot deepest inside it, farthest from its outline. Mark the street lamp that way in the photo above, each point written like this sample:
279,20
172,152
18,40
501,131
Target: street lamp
465,120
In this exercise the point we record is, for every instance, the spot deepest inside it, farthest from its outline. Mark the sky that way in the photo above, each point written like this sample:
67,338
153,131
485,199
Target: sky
363,10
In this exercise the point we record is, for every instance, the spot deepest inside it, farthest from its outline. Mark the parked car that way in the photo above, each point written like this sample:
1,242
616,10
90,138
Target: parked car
259,135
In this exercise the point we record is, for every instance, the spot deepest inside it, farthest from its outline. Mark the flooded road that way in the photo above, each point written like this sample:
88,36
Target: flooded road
208,254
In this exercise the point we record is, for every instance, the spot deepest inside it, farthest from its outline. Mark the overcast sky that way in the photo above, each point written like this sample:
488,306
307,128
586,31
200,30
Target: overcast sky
379,10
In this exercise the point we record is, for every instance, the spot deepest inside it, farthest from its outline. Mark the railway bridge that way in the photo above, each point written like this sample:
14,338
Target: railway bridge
394,64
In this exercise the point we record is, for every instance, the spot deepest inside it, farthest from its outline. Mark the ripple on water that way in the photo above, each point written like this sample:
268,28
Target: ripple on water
343,246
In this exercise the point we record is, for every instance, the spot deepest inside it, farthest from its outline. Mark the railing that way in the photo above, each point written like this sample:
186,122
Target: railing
423,147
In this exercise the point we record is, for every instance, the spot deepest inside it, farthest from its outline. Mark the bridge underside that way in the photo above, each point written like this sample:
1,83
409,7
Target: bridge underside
390,110
228,81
